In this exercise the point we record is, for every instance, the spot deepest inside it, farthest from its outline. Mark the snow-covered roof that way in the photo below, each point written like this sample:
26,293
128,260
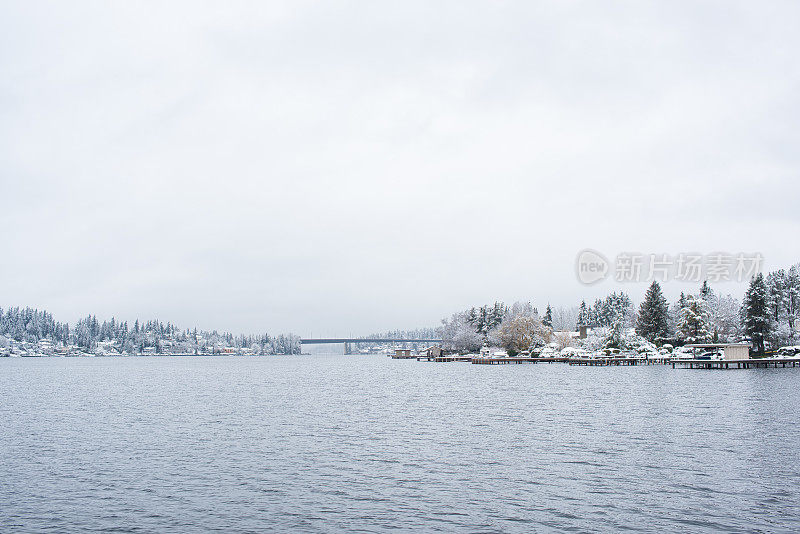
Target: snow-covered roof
715,345
570,333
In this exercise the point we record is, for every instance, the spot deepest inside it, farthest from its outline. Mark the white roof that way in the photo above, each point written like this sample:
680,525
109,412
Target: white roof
715,345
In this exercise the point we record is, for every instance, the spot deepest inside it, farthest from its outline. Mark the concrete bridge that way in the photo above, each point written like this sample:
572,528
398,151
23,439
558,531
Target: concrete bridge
347,341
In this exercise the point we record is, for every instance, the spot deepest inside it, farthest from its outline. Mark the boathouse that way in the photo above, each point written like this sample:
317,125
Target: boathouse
730,351
433,351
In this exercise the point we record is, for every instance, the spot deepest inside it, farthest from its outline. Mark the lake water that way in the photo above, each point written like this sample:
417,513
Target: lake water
366,443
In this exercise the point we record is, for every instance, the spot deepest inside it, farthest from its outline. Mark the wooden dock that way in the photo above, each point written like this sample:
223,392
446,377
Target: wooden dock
444,359
500,361
618,361
751,363
573,361
615,361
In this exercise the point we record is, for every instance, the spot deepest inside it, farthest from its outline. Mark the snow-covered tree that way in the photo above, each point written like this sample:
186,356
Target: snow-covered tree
674,313
652,321
565,319
584,318
460,334
615,307
724,316
756,320
615,337
521,308
693,321
548,317
777,285
523,333
793,300
705,291
783,287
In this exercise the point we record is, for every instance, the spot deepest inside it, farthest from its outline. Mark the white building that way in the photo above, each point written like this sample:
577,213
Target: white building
730,351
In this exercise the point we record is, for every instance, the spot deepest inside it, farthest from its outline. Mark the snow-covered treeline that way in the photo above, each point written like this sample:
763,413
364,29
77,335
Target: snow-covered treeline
38,331
468,330
520,327
771,309
767,317
606,312
417,333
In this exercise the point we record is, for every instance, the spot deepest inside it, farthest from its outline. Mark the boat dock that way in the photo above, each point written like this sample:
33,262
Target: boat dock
604,362
618,361
510,359
735,364
442,359
572,361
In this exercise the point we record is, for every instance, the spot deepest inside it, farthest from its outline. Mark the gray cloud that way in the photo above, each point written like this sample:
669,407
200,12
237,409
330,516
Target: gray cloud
351,167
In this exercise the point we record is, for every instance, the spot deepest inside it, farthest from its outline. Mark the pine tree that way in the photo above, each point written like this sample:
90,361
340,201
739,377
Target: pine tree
482,321
615,338
755,312
793,299
548,317
472,316
705,291
583,315
653,319
497,314
777,286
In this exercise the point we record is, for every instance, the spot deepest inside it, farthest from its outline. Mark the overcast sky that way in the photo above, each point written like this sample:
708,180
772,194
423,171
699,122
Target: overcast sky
348,167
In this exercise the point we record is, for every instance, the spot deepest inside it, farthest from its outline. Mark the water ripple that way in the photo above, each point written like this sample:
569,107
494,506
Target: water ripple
368,444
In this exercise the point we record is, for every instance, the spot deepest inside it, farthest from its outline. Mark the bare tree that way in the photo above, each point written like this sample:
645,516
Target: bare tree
565,319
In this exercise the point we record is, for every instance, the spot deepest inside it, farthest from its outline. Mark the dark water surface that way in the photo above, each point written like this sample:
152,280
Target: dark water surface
365,443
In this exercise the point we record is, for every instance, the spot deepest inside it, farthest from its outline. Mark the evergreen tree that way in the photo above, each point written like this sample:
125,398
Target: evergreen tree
481,325
777,287
498,312
584,318
693,321
472,316
615,338
756,313
793,299
653,319
548,317
705,291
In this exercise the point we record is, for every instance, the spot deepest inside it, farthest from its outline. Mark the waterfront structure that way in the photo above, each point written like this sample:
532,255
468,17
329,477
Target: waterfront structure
434,351
402,354
730,351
